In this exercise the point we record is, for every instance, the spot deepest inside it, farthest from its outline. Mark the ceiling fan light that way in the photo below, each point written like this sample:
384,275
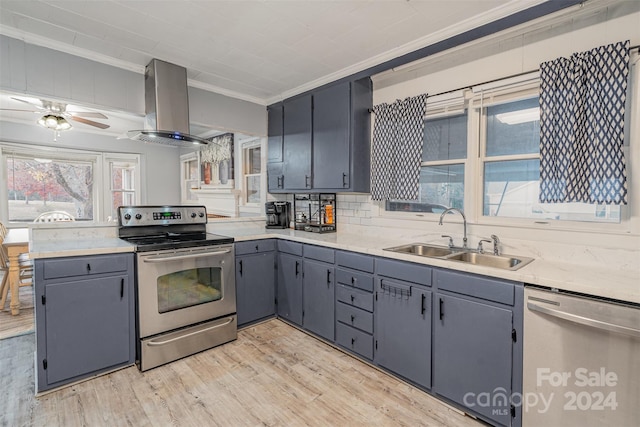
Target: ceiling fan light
53,122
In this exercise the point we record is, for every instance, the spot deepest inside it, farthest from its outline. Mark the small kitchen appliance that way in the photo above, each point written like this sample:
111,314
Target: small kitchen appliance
278,214
185,282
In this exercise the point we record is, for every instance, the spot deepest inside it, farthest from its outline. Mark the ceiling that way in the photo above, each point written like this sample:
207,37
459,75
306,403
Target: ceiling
260,51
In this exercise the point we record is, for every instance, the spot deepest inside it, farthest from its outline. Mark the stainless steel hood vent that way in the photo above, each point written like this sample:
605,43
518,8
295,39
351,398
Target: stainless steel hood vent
166,107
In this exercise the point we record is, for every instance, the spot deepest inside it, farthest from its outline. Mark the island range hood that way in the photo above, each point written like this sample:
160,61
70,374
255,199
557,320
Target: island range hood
166,107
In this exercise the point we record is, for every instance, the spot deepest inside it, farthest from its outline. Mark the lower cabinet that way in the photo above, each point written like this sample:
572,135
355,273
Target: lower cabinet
403,321
85,318
289,289
474,345
255,281
318,298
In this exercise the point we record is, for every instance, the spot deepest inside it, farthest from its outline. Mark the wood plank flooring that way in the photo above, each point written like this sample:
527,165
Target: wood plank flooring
273,375
23,323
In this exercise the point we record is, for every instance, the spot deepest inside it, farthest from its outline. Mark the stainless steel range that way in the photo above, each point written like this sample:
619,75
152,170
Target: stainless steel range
185,282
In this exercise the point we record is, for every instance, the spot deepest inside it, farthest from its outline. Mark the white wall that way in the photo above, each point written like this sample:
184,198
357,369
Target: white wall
502,55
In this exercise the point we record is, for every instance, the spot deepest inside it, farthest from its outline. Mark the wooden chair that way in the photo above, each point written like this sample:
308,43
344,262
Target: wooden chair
26,272
54,216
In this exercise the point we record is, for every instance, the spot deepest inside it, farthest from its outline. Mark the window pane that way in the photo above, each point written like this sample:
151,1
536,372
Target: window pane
511,189
40,185
445,138
513,128
253,189
441,187
252,160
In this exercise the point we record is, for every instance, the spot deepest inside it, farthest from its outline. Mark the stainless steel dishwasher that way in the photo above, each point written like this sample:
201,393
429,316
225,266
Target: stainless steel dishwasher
581,361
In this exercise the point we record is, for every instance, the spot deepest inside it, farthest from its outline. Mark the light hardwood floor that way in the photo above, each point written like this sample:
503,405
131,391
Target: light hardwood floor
273,375
10,325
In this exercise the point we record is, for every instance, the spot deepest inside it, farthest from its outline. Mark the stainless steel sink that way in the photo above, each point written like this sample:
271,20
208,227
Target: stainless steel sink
422,249
505,262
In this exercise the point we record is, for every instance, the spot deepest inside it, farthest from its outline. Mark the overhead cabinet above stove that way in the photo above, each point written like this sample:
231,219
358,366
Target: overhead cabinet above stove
321,140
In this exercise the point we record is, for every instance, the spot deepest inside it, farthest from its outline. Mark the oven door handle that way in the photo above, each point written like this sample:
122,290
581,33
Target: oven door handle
186,256
219,325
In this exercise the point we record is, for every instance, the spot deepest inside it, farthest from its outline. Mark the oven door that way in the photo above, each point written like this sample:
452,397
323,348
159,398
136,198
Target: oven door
177,288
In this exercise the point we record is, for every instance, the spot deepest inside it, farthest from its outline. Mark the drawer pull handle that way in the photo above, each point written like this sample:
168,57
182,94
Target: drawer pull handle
353,341
424,297
257,248
352,298
353,280
88,267
240,268
352,318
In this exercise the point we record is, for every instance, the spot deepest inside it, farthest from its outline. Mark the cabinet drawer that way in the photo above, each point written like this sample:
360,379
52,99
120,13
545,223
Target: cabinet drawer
355,279
355,261
355,297
319,253
355,317
292,248
79,266
490,289
406,271
354,340
255,246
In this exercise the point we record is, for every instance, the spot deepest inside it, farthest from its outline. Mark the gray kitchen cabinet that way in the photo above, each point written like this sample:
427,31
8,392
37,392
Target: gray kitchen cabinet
354,303
474,344
289,289
297,140
325,140
255,280
403,320
274,130
85,317
318,298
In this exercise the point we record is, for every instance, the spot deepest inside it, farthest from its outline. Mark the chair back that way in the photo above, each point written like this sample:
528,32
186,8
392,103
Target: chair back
54,216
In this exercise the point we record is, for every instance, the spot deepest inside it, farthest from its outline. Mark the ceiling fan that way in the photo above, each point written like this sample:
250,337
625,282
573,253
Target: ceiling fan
55,115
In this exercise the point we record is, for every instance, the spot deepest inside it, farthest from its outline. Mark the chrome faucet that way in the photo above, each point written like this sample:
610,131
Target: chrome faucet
480,248
496,242
464,219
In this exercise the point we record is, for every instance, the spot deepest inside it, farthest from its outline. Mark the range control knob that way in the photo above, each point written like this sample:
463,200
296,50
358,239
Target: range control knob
138,216
127,216
201,214
193,214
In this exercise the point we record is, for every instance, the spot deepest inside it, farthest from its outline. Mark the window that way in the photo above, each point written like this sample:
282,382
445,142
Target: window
444,151
89,186
123,178
512,169
190,171
41,184
252,168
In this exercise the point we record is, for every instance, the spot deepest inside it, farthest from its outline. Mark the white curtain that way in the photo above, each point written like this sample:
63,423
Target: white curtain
396,155
582,103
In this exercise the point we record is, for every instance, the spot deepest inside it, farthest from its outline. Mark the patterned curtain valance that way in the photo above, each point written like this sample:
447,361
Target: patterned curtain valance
582,100
396,152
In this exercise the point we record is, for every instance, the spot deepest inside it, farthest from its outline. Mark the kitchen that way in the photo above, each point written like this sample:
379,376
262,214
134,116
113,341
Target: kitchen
582,258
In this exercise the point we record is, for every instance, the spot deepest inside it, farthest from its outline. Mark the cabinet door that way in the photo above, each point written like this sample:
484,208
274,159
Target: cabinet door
290,287
274,131
318,295
403,330
331,121
255,287
275,177
87,326
297,143
472,355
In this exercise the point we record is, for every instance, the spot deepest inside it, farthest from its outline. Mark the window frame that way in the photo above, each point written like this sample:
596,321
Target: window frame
101,173
109,159
245,146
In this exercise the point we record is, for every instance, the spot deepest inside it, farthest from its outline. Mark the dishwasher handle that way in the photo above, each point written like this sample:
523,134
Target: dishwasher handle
587,321
185,256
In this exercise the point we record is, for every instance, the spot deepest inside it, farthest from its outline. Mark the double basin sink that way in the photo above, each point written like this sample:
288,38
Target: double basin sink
468,256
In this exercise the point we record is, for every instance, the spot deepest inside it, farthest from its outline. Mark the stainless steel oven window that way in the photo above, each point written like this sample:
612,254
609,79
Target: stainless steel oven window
188,288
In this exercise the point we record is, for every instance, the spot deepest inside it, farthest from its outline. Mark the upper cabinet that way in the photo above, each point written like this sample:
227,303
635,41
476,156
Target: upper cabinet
325,140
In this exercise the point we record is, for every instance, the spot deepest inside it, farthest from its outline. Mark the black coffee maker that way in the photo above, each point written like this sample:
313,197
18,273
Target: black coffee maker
278,214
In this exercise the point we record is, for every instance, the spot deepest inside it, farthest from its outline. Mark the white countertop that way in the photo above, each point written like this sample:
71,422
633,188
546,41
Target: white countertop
605,282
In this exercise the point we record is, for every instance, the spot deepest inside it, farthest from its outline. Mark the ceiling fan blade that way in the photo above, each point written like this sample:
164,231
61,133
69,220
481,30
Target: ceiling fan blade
89,122
92,114
39,107
16,109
